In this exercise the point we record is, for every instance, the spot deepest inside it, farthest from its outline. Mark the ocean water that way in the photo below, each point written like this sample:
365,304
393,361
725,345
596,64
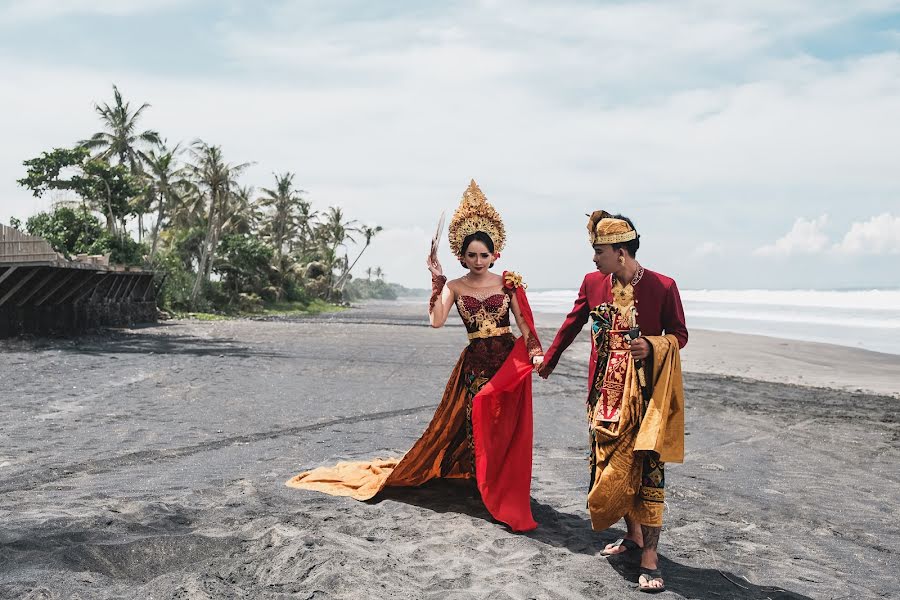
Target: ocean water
868,319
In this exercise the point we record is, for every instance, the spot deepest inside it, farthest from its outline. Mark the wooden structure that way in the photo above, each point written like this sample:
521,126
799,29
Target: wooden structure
16,246
43,293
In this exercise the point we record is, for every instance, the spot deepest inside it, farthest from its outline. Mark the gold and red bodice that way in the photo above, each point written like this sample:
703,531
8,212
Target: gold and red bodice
485,313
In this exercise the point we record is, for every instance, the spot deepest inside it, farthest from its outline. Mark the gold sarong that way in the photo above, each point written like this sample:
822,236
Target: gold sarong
620,452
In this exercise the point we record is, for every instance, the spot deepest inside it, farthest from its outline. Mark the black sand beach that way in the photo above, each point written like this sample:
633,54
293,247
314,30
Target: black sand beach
151,463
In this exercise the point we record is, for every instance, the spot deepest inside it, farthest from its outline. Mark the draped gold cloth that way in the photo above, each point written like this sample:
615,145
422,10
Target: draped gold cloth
617,485
435,454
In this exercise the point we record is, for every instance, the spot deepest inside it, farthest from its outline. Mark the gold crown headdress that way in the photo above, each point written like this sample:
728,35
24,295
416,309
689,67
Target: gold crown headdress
475,213
604,229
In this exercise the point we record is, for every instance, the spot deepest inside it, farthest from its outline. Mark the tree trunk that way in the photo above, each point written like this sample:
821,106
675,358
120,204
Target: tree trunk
343,280
159,218
204,251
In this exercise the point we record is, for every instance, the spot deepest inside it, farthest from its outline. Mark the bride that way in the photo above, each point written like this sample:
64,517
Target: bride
482,429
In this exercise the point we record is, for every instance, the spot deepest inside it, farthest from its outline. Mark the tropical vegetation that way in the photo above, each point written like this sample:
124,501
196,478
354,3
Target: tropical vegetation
185,211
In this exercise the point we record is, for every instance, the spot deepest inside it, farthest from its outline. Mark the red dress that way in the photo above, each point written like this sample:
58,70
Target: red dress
482,427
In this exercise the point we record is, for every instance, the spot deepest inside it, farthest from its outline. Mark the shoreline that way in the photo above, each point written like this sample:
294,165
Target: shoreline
769,359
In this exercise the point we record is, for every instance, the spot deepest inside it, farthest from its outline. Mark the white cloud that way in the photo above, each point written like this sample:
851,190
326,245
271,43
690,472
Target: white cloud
805,237
663,111
21,11
878,235
709,249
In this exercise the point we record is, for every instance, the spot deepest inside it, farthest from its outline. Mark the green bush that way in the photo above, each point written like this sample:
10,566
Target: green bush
177,281
243,262
76,231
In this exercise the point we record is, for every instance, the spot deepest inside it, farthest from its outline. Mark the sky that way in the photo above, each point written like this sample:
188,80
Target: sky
754,144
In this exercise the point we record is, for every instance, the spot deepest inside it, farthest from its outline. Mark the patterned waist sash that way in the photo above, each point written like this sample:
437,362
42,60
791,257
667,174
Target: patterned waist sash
492,332
610,331
609,386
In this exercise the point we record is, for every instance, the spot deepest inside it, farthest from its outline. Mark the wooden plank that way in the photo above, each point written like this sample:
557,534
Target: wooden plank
62,281
113,289
153,285
91,289
138,292
36,288
147,288
132,282
16,246
16,287
120,292
78,286
9,272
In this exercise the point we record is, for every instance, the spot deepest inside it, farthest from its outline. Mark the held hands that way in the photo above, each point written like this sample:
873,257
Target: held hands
537,361
543,369
640,349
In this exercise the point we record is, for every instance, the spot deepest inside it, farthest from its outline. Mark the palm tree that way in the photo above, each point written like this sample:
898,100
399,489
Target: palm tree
167,186
241,212
120,139
369,233
332,233
282,223
307,223
215,180
190,210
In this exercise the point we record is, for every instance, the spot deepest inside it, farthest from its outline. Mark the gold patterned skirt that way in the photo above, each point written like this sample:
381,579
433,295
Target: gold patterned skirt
445,448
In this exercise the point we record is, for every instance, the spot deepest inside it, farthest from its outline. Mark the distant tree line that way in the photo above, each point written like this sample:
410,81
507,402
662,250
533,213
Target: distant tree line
183,211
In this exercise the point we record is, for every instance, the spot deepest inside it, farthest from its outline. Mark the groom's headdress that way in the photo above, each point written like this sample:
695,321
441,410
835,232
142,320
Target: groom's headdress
603,228
475,213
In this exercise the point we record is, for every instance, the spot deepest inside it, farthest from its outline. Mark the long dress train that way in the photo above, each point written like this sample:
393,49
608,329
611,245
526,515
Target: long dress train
482,427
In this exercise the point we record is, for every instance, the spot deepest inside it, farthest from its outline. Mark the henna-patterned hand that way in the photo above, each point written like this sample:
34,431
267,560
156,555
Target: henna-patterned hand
434,265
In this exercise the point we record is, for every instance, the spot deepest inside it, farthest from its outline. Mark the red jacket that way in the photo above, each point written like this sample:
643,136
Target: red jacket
656,299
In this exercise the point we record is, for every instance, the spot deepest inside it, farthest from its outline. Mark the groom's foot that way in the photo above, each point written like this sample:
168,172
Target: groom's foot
650,579
625,545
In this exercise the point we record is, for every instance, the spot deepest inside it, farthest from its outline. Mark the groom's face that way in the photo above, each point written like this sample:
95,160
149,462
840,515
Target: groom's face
606,259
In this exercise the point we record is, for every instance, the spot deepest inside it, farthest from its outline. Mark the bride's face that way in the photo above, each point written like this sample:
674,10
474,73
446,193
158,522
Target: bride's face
477,257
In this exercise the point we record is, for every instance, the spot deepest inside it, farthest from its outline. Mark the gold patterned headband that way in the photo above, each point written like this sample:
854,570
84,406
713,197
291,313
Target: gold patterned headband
603,228
475,213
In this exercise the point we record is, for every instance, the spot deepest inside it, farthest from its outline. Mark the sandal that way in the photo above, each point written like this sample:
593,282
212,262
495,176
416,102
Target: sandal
648,576
631,547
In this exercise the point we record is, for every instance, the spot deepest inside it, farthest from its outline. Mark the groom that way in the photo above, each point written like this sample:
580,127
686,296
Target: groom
635,400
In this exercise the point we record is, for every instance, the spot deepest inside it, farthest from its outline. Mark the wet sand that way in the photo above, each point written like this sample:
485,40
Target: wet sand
150,463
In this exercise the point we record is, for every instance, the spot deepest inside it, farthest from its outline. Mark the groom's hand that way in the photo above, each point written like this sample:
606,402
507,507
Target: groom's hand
640,349
544,370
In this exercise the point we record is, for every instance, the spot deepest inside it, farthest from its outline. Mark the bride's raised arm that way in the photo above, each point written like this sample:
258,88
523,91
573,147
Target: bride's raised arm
442,296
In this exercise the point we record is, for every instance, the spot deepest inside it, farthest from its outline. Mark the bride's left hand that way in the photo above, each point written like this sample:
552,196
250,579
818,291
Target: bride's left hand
536,362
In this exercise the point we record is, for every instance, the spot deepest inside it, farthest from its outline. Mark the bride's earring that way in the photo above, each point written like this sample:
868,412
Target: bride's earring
622,260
